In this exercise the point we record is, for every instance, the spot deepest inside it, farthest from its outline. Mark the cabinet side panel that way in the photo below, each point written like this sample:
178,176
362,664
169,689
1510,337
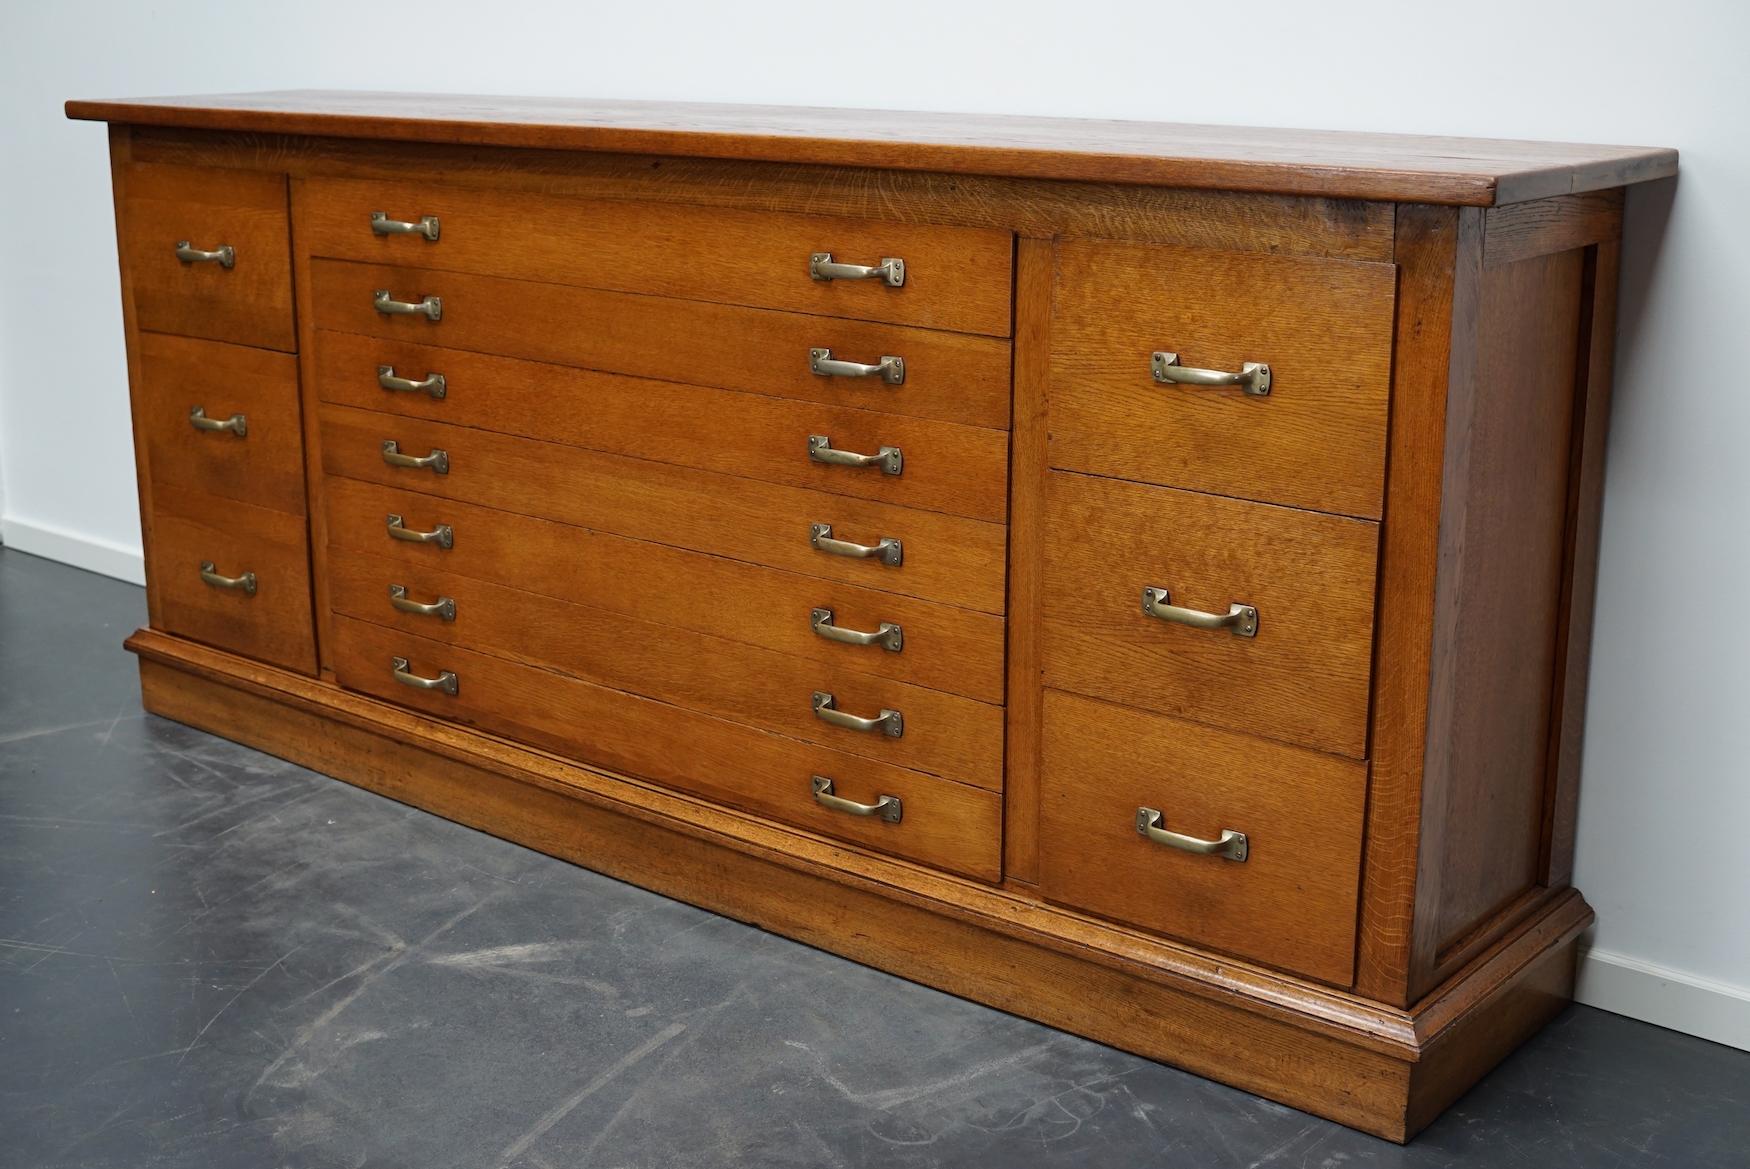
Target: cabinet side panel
1439,257
1585,508
1503,545
121,148
1035,260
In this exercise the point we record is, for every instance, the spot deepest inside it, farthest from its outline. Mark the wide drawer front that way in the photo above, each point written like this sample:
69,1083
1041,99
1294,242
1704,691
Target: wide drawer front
1292,591
1134,812
926,554
208,253
941,466
939,822
1323,328
232,575
946,277
951,376
861,714
902,638
223,419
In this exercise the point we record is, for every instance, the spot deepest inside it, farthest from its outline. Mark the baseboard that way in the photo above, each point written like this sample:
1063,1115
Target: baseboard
123,562
1676,999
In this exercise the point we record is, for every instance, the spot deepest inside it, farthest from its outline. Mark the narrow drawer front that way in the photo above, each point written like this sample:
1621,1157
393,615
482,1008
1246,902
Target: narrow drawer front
1322,327
208,253
939,466
950,376
912,726
1290,903
232,575
222,419
1307,579
939,557
947,277
941,823
939,646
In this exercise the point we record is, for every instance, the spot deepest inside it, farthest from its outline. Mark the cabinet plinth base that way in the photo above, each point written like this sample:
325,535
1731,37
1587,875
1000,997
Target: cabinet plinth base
1367,1065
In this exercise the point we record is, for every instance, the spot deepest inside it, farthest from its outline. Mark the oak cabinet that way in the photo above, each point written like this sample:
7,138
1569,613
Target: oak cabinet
1135,576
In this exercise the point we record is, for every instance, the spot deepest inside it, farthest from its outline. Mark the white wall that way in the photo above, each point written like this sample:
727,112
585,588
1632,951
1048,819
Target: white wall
1666,799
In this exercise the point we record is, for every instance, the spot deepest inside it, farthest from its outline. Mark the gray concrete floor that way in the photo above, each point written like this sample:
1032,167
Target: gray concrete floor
212,958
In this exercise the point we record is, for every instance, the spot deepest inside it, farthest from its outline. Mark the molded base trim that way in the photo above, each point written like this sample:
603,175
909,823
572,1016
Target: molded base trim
1370,1066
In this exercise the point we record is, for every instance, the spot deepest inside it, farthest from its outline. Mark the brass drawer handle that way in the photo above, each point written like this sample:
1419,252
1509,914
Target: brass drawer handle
432,383
889,369
438,460
889,458
445,681
1232,845
890,271
426,225
430,307
244,584
889,722
225,256
889,636
237,424
1241,620
444,607
887,808
442,535
887,549
1253,378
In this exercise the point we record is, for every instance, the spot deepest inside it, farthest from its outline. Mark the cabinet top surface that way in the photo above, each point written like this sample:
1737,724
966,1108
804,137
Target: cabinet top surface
1402,167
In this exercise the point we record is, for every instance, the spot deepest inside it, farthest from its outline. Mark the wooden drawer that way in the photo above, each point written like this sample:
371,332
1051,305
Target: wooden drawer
1291,903
942,823
943,466
951,376
189,528
940,646
944,558
940,733
249,302
1303,678
265,464
954,277
1324,327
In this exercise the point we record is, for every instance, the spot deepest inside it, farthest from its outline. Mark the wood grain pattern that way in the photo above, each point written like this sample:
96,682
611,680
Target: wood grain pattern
1248,1026
190,527
950,376
1323,327
947,467
1504,514
1290,904
944,734
955,278
265,466
945,648
945,824
1040,209
946,558
1440,264
1034,262
249,303
1303,679
1351,165
1527,230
